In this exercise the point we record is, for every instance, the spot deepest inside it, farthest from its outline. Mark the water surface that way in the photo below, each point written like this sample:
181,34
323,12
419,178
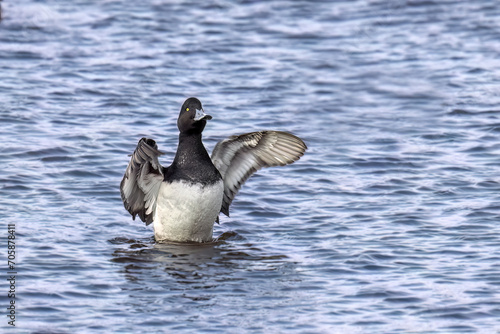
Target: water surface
388,224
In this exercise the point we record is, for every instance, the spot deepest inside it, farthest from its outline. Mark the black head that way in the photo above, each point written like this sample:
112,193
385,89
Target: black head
192,118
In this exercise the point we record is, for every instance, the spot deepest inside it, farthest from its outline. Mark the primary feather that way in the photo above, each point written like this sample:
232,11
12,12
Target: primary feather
238,157
142,180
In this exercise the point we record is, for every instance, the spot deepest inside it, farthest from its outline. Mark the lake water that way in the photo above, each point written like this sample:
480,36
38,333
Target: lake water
389,224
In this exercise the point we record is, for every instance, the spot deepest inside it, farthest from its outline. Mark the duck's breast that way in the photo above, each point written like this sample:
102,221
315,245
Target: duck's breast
187,211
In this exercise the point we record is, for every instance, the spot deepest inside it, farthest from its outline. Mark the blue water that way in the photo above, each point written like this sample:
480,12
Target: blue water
388,224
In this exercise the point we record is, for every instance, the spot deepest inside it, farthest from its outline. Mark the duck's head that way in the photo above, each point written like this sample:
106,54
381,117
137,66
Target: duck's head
192,118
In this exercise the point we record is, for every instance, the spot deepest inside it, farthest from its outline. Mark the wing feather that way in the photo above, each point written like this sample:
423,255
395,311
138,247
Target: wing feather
238,157
142,180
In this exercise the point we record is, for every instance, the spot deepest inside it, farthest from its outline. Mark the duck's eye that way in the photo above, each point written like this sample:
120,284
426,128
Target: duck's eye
187,109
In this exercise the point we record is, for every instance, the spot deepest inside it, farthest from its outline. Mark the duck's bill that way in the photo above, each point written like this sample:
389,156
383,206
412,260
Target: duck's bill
200,115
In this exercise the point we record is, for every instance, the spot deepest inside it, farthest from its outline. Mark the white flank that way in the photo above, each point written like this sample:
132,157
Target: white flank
187,212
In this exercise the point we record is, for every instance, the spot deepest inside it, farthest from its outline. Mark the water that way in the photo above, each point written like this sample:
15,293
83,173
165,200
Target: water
388,224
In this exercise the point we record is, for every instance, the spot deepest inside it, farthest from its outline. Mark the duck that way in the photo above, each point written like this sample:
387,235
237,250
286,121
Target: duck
184,200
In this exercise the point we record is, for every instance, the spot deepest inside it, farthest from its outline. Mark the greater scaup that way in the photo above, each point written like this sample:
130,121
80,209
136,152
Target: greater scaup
184,200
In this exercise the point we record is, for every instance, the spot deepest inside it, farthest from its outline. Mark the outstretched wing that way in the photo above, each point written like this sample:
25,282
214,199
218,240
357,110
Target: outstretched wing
238,157
142,180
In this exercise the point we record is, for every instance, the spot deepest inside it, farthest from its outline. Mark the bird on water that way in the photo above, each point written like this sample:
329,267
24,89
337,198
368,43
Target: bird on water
183,200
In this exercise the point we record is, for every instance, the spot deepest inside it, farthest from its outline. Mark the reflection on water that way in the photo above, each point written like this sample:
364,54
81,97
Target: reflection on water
208,282
192,262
